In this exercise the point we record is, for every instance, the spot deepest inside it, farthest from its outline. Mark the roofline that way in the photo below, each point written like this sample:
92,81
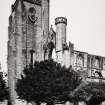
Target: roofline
38,2
90,54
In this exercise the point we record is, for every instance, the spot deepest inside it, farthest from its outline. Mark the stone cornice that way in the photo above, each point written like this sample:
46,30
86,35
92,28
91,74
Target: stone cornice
37,2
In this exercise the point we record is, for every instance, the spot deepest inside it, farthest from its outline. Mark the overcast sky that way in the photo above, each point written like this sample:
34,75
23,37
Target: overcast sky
86,24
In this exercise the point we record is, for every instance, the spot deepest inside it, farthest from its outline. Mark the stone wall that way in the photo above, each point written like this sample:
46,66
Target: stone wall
88,63
24,35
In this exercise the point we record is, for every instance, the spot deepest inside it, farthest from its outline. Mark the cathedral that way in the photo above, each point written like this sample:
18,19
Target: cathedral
31,39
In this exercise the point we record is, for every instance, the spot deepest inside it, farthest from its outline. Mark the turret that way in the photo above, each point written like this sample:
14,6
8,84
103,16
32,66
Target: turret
61,23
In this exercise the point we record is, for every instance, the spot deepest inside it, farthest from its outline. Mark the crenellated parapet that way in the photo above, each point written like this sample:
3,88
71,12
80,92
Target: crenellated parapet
61,20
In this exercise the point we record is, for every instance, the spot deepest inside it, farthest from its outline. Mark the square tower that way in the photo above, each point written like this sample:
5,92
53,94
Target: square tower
28,30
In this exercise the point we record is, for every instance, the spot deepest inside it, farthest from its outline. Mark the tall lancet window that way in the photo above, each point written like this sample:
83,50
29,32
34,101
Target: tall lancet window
97,63
80,60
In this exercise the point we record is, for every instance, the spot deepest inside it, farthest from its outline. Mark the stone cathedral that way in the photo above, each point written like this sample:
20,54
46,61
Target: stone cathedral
29,36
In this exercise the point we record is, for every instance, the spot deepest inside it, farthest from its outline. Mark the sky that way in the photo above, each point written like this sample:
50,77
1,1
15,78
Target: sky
85,27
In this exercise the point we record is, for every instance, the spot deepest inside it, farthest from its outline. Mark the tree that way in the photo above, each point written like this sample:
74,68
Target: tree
91,92
46,81
4,94
97,92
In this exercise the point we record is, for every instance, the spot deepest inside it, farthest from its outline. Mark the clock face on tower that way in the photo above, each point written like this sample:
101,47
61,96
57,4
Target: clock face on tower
31,15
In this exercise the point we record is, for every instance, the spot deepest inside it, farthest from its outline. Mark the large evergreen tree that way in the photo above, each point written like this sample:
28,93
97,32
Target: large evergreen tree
46,81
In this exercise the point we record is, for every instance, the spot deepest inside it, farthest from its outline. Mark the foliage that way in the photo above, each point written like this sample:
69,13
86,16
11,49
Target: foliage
47,81
97,93
9,102
92,93
3,89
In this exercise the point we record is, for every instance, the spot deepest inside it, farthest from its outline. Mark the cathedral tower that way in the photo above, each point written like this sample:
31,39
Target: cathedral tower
27,31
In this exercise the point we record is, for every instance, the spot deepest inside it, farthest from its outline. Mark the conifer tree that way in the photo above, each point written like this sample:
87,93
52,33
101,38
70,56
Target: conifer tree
46,81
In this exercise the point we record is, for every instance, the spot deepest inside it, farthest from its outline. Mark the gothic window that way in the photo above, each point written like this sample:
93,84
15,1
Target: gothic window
80,60
97,63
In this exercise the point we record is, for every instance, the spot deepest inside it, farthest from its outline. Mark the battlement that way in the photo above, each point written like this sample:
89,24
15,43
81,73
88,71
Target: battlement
60,20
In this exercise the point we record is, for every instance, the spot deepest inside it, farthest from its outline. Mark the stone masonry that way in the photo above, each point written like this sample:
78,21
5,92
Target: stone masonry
29,31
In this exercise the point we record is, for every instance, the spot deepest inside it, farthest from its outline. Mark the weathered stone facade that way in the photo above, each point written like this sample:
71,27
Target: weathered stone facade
91,68
86,64
29,30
